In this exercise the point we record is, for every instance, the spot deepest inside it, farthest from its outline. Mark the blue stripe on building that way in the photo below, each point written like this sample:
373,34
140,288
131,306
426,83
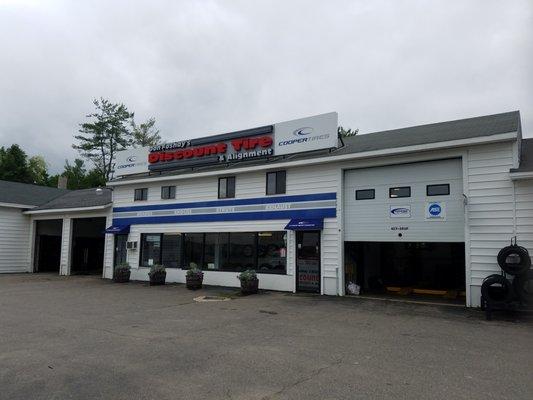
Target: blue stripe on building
238,216
234,202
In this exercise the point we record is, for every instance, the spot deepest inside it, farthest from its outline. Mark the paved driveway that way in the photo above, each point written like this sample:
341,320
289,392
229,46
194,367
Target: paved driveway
86,338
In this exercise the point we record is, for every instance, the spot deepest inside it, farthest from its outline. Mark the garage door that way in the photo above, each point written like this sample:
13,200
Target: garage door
419,202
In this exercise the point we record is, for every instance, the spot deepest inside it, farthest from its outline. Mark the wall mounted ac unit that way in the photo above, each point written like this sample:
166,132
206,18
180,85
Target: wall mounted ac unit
131,245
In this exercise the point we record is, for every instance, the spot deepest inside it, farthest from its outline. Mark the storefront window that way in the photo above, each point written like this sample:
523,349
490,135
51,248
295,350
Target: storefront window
272,252
242,252
216,250
193,250
171,250
150,249
265,252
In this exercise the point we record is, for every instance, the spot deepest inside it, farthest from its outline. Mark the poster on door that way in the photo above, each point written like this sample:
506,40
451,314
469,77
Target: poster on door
308,275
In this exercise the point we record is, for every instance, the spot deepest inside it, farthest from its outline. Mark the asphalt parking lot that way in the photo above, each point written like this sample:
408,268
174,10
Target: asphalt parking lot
86,338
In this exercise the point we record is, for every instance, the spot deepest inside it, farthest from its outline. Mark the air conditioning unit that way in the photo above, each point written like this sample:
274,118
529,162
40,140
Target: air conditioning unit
131,245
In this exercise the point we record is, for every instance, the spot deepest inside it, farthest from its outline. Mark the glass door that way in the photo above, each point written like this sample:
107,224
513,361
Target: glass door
120,249
308,261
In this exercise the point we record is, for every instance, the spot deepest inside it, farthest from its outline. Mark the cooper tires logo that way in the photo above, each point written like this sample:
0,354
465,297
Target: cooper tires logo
131,159
303,131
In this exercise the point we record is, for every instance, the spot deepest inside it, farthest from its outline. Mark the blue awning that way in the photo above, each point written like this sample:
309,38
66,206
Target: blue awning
305,224
118,229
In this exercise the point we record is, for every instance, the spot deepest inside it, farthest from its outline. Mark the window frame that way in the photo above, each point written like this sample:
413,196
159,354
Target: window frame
228,180
440,194
171,192
144,194
399,187
143,235
365,190
277,190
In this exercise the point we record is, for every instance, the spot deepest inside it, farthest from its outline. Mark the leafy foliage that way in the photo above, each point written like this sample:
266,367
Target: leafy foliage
145,134
342,132
194,272
123,266
104,135
157,269
248,275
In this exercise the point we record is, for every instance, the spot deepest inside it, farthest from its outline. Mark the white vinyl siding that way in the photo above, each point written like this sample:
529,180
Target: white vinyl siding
300,180
14,240
524,213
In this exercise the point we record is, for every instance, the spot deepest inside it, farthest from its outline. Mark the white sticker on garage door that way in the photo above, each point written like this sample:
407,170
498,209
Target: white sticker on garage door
400,211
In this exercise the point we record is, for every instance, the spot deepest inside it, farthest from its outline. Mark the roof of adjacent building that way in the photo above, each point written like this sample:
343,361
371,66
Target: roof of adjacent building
82,198
526,156
27,194
469,128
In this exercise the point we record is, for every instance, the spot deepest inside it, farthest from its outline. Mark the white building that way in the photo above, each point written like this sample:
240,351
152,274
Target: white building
425,208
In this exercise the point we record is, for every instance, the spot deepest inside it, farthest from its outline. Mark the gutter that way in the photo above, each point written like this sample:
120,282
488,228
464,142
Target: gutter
67,210
321,160
516,176
15,205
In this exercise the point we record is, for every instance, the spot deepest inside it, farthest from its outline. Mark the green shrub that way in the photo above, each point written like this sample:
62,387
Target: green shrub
123,267
248,275
156,269
195,272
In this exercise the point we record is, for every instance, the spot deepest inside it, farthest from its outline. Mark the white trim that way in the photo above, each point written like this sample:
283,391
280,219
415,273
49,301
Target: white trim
68,210
515,176
16,205
320,160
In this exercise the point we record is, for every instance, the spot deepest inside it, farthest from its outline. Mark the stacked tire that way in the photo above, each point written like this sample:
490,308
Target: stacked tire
498,289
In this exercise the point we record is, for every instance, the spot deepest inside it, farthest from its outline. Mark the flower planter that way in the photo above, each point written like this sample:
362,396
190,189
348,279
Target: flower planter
194,282
121,275
158,278
250,286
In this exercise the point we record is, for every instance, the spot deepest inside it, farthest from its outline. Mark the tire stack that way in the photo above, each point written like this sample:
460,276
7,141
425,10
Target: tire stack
500,292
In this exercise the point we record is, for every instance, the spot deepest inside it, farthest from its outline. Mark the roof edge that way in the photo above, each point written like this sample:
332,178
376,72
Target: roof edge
64,210
502,137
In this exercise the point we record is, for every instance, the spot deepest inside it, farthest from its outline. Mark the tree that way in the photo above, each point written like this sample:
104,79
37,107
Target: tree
106,134
145,134
75,174
38,169
342,132
14,165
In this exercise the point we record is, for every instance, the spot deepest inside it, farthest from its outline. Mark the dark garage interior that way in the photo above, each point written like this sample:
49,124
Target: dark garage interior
48,245
407,268
87,245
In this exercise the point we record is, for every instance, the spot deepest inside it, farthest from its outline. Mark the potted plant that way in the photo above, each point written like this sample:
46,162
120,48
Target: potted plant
157,275
194,278
249,282
122,273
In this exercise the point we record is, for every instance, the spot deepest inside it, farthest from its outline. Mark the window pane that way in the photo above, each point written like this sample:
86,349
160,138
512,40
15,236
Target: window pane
171,250
164,192
150,249
271,183
241,252
216,250
438,190
222,182
272,252
365,194
193,244
280,182
172,192
231,187
404,191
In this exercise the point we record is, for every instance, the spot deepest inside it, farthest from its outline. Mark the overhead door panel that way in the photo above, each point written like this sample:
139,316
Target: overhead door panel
418,202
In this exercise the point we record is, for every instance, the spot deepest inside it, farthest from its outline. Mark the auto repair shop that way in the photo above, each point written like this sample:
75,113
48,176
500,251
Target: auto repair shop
420,209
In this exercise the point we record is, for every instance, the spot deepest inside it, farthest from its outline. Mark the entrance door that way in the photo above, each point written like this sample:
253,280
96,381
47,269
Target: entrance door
308,261
120,249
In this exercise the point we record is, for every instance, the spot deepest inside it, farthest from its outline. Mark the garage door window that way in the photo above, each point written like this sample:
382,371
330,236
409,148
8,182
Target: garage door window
365,194
403,191
438,190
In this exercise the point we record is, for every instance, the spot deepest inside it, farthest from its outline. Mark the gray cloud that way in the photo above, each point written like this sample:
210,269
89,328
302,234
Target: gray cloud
206,67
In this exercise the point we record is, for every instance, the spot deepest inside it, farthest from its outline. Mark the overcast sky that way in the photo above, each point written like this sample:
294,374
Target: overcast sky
208,67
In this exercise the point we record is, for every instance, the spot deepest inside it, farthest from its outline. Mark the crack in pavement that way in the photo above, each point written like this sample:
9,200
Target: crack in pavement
303,379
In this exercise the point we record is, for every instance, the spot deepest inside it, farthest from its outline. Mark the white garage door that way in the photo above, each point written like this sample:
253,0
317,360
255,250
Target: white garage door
420,202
